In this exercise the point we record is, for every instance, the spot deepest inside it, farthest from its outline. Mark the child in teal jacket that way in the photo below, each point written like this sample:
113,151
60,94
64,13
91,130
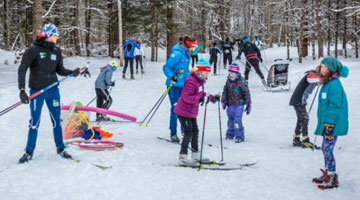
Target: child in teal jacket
332,116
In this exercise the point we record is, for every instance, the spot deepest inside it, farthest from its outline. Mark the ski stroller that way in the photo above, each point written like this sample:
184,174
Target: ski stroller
277,79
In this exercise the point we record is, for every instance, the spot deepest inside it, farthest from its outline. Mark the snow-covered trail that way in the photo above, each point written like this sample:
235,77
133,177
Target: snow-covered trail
137,171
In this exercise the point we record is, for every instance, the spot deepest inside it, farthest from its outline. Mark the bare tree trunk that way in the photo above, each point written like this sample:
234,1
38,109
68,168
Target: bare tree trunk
345,33
170,27
153,32
319,31
77,36
88,26
203,24
356,37
301,37
5,25
37,17
121,50
110,29
337,27
328,28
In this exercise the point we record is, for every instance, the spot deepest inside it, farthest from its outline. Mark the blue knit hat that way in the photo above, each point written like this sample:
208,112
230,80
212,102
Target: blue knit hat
203,65
48,30
335,66
245,40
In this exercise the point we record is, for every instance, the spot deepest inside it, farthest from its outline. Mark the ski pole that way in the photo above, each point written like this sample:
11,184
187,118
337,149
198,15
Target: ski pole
157,102
221,142
157,107
203,133
6,110
312,103
262,64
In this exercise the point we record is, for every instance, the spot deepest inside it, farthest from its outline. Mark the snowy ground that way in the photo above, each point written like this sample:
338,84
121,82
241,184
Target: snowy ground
137,171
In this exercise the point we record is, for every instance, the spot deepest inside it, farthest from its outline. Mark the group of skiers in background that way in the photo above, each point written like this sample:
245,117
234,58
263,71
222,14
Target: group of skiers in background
186,92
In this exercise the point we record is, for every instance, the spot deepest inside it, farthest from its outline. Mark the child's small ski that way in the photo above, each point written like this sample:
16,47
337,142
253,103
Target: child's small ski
294,147
96,165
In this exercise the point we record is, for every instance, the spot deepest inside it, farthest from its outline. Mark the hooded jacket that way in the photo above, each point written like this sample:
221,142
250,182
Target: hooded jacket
45,61
177,64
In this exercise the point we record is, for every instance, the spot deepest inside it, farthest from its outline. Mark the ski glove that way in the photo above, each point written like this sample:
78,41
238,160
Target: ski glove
24,97
76,72
173,79
329,131
213,98
248,108
112,84
223,105
237,58
260,59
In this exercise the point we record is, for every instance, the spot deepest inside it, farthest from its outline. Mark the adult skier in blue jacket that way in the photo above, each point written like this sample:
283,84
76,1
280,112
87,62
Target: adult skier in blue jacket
176,69
129,47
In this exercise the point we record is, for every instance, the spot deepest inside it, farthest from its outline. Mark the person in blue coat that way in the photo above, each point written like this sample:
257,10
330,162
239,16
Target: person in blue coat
102,84
176,70
332,117
129,49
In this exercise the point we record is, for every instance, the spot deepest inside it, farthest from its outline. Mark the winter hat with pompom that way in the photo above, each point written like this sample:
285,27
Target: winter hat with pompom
335,66
48,30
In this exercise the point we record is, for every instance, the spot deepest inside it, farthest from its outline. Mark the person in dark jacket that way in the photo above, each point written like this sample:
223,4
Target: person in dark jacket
236,98
214,50
102,84
298,100
129,47
227,48
253,56
45,61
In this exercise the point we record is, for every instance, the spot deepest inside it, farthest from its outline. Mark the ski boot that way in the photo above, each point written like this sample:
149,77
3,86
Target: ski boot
305,143
185,161
123,76
137,71
324,178
195,157
26,157
132,77
332,182
229,138
264,82
174,139
142,71
64,154
102,118
238,140
296,141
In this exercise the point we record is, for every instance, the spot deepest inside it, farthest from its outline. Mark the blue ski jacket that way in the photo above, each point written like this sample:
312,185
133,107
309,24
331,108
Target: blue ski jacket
129,47
178,59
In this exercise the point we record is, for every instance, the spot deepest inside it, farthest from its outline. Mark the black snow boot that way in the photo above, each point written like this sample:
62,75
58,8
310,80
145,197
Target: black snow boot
123,76
132,77
296,141
322,179
64,154
306,143
26,157
333,182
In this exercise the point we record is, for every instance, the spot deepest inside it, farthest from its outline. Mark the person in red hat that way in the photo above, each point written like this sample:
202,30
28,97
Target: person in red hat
187,110
236,98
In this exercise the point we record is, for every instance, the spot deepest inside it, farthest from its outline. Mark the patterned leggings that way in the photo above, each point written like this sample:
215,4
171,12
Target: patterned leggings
328,146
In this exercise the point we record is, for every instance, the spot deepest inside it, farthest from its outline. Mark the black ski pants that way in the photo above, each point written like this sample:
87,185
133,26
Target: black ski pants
103,99
213,60
302,120
255,64
127,60
191,133
138,60
194,60
227,57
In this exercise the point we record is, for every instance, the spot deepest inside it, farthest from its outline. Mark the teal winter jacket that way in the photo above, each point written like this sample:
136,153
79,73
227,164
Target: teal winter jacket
333,108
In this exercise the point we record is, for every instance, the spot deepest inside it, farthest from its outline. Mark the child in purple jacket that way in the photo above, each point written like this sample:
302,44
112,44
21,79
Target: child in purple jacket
236,94
187,110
